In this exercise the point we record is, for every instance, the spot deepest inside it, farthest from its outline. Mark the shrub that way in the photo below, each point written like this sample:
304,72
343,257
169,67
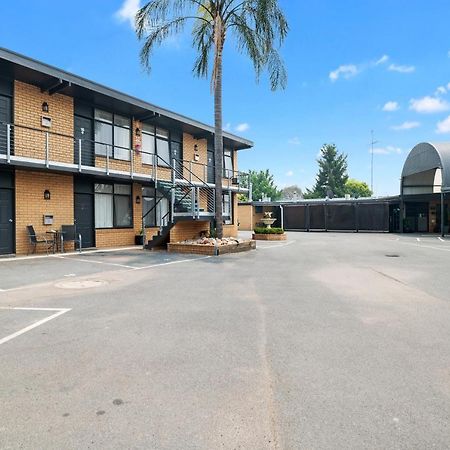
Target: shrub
264,230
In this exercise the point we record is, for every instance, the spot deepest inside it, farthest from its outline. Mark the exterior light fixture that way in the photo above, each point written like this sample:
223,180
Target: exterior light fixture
138,132
45,107
138,200
196,155
46,194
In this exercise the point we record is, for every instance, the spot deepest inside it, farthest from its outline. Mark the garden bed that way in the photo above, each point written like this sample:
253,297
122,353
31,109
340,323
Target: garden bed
212,247
269,237
269,234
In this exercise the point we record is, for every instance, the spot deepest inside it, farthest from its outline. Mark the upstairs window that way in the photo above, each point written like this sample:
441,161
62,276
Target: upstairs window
155,140
227,208
148,143
112,135
228,164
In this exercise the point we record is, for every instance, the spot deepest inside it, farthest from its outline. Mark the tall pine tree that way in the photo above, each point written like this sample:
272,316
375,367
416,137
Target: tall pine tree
332,175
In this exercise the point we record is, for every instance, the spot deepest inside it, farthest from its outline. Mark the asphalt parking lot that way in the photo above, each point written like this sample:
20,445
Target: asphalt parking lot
327,341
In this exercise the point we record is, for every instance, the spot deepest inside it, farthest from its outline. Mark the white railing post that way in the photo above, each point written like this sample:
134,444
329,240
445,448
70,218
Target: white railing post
174,175
107,160
47,162
155,166
131,162
198,201
8,142
79,155
172,206
190,171
193,201
205,173
250,190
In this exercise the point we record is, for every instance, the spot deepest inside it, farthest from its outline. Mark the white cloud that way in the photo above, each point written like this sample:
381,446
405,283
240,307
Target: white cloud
391,106
406,126
289,173
443,126
242,127
128,11
401,69
346,71
441,90
294,141
384,59
386,150
428,105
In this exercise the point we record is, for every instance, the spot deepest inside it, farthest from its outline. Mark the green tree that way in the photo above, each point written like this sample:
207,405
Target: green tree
263,185
332,174
357,188
293,192
258,28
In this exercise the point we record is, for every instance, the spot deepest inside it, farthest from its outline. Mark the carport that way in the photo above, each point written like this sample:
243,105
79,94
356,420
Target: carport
424,184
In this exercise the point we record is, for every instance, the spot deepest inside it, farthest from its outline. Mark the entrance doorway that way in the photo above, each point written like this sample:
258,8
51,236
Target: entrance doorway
84,210
6,213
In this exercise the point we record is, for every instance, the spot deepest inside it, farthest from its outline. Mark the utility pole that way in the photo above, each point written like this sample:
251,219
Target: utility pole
372,143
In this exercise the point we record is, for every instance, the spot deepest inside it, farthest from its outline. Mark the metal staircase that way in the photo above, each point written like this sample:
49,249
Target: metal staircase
188,200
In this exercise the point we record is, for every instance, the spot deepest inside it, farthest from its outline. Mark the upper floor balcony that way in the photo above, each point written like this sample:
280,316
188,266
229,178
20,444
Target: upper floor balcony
43,149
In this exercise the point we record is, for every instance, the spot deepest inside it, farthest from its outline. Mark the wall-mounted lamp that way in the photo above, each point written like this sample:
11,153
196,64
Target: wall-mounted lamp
45,107
46,194
138,132
138,200
196,154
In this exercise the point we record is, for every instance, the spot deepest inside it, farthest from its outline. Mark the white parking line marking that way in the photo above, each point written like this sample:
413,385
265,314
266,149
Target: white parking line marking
59,312
275,246
171,262
426,246
418,239
93,261
442,240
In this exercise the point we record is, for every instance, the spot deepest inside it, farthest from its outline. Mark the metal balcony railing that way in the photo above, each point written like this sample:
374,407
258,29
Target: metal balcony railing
22,145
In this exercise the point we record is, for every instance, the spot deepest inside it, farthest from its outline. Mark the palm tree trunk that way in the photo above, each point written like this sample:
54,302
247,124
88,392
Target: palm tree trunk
218,141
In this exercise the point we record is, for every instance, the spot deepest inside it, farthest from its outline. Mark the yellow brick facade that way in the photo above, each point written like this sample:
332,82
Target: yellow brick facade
30,141
31,205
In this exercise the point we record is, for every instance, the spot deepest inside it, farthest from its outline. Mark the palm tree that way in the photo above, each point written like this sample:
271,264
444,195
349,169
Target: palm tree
258,27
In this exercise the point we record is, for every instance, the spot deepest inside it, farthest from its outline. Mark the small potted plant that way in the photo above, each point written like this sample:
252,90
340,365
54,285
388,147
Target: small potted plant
139,238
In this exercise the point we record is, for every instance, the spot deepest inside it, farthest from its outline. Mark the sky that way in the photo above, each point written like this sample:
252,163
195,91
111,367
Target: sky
353,66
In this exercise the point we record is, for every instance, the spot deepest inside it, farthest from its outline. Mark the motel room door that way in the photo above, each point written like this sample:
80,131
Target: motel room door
6,213
84,210
83,131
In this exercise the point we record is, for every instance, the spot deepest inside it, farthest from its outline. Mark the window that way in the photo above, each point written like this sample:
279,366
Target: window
148,143
154,216
113,206
162,147
228,164
227,208
155,139
112,135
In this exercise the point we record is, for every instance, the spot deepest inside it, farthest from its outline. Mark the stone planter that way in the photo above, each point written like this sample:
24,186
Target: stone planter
269,237
211,250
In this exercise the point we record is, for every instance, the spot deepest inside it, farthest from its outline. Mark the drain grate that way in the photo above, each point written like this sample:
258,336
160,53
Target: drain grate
86,284
392,255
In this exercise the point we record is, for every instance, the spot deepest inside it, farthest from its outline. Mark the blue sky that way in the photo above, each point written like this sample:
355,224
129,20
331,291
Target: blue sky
353,66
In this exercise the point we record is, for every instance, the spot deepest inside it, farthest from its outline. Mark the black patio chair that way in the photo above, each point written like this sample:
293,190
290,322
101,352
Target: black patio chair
35,240
69,234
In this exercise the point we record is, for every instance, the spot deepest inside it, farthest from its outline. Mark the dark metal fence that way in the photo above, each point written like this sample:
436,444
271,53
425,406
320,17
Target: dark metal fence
330,216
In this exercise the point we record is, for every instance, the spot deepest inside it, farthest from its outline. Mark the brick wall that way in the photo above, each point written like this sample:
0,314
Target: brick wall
28,102
188,230
31,206
245,217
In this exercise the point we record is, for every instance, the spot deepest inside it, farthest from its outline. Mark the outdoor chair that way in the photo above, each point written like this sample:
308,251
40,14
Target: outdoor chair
69,234
35,240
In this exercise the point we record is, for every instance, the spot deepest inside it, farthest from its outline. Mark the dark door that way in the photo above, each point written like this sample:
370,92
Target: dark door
84,218
211,171
6,213
83,131
5,118
177,155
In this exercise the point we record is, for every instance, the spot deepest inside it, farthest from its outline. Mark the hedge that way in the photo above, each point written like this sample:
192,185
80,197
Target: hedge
263,230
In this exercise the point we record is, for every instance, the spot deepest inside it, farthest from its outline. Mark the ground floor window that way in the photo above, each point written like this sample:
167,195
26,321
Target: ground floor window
113,206
155,208
227,208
